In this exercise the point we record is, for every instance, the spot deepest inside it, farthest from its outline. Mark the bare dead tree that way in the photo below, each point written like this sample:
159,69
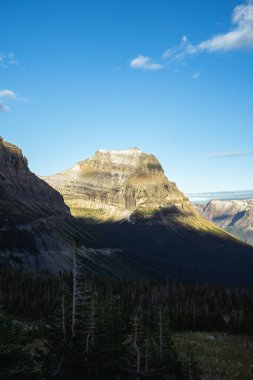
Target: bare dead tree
190,368
160,334
91,332
58,369
63,309
137,348
74,292
79,289
146,356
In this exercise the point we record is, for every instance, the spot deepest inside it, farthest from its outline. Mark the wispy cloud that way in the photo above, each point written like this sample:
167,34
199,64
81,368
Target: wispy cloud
145,63
238,37
9,94
230,154
7,59
6,96
196,75
3,107
176,53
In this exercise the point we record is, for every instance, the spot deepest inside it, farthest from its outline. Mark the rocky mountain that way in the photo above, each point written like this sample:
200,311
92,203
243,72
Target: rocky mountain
235,216
114,184
37,229
125,197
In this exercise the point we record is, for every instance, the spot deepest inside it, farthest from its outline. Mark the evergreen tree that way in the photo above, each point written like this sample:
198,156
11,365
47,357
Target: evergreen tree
17,362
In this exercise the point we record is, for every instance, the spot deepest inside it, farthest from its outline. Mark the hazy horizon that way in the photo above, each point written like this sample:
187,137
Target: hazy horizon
204,197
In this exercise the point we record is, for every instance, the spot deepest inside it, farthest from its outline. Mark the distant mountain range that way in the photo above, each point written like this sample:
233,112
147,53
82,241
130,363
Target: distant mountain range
230,210
235,216
220,195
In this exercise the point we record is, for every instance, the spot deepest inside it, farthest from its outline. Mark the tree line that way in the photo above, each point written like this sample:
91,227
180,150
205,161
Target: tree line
88,327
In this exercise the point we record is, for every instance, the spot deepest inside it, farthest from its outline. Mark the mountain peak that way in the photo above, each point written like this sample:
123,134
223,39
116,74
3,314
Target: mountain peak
11,158
124,151
119,156
126,198
115,184
37,229
162,236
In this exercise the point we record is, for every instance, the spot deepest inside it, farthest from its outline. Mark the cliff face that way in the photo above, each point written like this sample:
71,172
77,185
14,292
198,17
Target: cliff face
17,182
126,198
235,216
153,231
115,184
37,229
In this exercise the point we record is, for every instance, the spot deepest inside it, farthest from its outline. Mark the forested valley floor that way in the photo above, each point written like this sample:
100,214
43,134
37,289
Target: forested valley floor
78,327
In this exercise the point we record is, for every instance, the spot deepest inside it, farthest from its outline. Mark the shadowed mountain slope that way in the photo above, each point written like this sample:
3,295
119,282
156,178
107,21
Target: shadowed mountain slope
125,197
37,229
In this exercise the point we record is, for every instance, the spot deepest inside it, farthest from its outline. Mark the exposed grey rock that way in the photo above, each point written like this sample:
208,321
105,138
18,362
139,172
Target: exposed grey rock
114,184
37,229
125,197
235,216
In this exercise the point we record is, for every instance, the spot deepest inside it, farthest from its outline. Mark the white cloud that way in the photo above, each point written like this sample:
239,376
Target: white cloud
239,37
230,154
145,63
3,107
8,94
176,53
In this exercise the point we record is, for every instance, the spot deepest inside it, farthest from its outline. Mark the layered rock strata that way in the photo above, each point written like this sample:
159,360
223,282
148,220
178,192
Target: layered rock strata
126,198
235,216
115,184
37,230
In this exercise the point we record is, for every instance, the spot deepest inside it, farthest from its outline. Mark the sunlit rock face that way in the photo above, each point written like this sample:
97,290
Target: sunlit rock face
235,216
37,230
115,184
127,199
155,232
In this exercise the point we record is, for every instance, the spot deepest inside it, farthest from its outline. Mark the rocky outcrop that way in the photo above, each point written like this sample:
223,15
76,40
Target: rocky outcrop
146,229
235,216
37,229
115,184
126,198
17,182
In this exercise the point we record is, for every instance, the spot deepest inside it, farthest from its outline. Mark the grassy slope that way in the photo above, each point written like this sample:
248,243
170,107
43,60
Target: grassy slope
219,356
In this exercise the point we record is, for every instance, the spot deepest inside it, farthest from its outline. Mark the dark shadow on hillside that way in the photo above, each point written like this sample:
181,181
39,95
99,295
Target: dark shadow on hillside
167,249
237,217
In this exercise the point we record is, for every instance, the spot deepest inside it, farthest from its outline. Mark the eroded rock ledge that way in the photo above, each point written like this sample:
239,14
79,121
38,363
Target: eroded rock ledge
115,184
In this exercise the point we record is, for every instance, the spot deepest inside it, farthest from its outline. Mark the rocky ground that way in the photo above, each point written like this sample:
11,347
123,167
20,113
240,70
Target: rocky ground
218,355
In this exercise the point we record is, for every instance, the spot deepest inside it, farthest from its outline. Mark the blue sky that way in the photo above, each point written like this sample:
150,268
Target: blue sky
174,78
